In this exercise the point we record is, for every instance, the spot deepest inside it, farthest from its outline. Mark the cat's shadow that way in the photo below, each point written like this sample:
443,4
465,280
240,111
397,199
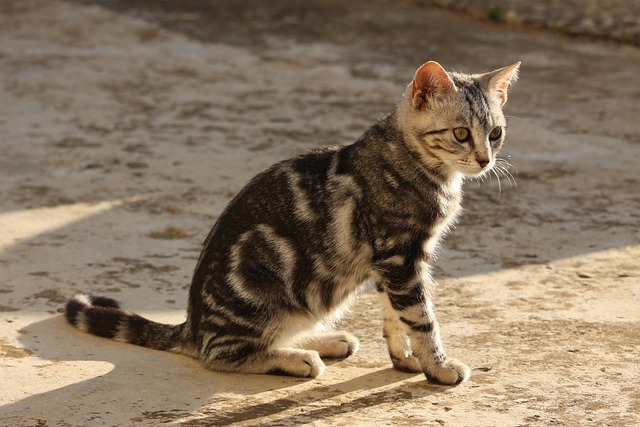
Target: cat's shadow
143,383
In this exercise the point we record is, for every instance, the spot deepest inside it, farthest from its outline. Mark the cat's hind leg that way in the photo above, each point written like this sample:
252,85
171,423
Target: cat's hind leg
286,361
336,345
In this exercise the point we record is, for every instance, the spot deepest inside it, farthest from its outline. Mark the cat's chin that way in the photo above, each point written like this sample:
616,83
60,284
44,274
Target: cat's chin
475,174
467,171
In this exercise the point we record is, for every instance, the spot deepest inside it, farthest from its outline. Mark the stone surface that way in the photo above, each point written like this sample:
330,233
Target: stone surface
125,128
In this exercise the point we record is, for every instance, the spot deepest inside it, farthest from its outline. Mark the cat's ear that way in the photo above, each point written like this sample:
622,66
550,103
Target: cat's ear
498,81
431,80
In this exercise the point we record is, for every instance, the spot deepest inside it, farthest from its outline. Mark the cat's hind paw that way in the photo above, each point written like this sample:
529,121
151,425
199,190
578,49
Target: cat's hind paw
450,373
298,363
308,366
333,345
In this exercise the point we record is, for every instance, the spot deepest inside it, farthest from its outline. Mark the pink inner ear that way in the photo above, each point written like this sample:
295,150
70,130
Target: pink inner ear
431,79
503,79
501,87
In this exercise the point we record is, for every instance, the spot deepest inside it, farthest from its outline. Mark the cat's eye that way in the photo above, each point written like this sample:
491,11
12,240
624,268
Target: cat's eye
462,134
495,134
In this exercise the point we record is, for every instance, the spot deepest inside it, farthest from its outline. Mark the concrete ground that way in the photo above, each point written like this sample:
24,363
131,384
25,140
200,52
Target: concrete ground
124,131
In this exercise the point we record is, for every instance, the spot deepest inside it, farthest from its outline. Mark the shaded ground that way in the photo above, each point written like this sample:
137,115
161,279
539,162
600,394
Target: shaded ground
125,130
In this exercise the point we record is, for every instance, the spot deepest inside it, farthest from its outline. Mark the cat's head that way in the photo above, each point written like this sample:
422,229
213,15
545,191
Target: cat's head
454,121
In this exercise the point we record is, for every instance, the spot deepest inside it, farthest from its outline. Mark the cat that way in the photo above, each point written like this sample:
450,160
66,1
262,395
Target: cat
303,238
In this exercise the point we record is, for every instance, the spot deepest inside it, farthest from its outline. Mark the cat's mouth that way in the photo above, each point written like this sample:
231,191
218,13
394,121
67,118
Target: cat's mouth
475,169
499,168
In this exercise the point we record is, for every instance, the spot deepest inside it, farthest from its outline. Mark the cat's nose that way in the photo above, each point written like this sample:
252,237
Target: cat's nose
482,162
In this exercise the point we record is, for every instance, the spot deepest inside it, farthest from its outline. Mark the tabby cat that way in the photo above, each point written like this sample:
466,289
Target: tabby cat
293,248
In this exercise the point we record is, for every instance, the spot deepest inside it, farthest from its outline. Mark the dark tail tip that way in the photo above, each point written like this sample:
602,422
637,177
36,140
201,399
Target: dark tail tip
75,306
81,302
104,302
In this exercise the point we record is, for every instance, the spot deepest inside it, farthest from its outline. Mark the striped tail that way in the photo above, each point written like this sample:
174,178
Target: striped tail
103,317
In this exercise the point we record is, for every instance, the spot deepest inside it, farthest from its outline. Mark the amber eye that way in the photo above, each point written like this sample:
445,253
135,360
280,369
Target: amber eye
495,134
462,134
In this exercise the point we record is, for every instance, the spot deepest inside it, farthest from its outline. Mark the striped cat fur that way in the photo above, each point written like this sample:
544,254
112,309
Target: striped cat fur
303,238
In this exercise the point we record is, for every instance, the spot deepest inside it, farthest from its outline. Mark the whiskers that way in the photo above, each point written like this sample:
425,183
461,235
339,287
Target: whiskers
501,169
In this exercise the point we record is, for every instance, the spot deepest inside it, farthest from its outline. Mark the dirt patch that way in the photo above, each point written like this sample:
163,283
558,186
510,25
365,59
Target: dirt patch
52,296
170,233
10,351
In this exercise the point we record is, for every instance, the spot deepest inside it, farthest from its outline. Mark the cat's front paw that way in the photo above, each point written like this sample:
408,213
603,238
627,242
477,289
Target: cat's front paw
450,373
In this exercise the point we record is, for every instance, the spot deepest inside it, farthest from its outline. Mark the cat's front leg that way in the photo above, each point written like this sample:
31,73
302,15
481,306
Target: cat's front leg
411,302
424,333
398,342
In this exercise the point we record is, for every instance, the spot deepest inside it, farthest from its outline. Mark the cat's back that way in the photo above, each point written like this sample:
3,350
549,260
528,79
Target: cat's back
291,199
291,189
